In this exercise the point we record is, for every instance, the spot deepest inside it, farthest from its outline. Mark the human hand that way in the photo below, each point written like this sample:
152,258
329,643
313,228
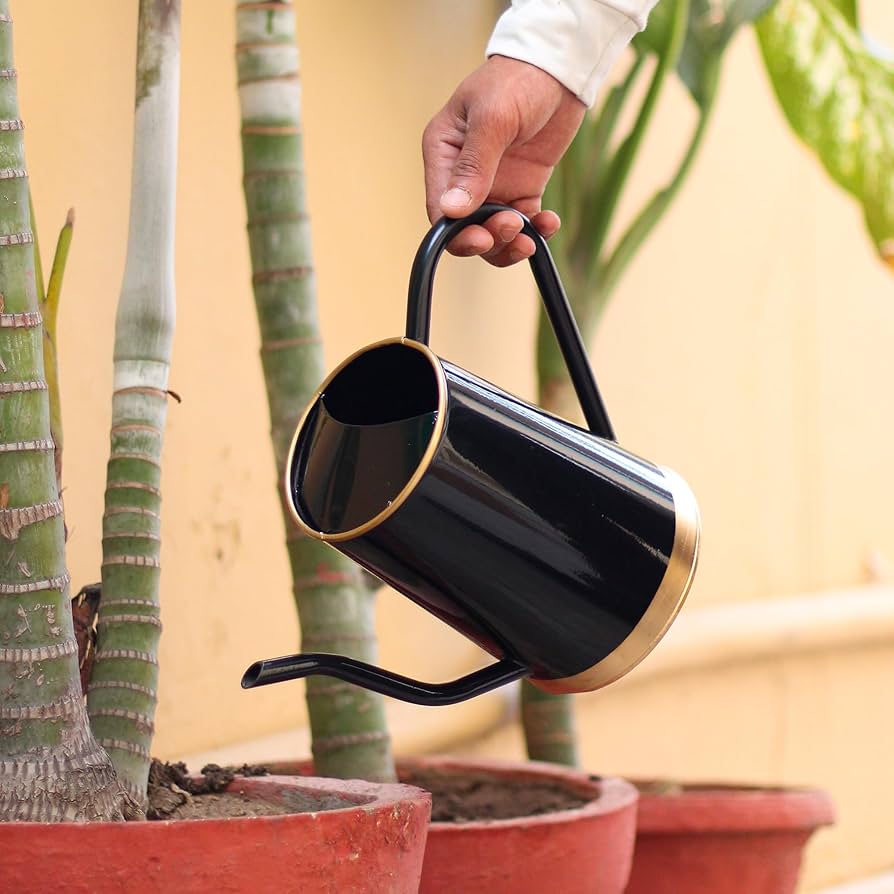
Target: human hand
498,139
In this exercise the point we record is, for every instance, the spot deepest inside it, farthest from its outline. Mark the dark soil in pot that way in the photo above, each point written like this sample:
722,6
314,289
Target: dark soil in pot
462,797
521,828
174,794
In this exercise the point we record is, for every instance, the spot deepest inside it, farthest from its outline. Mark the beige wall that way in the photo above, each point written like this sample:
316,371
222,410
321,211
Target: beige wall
749,348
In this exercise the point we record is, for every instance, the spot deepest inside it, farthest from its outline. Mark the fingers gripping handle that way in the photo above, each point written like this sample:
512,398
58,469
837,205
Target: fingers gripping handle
551,291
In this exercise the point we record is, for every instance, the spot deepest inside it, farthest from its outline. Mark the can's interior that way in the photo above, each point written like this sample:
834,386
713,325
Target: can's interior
365,438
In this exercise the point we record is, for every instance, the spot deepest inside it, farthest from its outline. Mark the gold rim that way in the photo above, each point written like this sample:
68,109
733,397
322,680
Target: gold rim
427,457
665,606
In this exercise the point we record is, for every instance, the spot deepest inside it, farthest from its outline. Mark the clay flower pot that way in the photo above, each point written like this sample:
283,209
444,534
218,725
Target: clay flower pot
376,845
724,839
584,850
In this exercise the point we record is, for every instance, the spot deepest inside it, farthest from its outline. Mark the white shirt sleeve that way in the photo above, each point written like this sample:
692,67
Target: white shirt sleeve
576,41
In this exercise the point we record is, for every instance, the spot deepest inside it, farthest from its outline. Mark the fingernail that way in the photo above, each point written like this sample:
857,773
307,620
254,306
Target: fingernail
457,197
507,234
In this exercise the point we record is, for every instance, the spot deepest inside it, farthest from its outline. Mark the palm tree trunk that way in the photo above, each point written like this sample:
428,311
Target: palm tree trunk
335,610
122,692
51,768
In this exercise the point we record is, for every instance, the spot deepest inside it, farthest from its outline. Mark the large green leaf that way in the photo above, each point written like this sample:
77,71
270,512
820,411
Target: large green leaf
712,24
839,98
848,8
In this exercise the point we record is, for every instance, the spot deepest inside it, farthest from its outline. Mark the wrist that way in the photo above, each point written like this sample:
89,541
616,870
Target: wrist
509,66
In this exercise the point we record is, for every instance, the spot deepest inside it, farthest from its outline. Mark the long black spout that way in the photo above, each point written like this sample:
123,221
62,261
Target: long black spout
293,667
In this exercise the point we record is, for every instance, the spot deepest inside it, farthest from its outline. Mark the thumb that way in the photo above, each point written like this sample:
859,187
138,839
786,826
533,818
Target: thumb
475,168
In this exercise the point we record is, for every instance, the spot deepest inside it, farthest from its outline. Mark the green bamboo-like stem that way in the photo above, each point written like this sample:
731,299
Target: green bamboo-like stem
548,720
646,221
590,291
549,726
122,692
595,140
585,189
580,256
602,212
347,723
51,768
577,179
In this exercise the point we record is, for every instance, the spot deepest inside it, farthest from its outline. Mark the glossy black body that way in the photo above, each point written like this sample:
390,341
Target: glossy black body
539,541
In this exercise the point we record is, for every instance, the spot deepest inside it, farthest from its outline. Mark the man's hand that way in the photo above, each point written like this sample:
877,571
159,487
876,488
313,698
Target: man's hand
498,139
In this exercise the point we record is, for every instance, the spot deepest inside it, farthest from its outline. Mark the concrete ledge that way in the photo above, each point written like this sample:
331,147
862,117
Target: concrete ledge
700,638
810,622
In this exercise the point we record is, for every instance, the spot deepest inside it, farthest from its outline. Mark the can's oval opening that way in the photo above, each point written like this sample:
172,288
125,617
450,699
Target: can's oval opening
367,438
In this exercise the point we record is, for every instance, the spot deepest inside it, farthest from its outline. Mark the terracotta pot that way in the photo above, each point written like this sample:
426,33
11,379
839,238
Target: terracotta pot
586,850
376,846
724,839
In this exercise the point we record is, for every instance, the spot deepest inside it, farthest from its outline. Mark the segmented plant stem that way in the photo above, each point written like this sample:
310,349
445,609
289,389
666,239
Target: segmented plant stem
122,694
335,610
51,768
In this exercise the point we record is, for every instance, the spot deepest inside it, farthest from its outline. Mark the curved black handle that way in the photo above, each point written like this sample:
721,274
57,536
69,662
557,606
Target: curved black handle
292,667
551,291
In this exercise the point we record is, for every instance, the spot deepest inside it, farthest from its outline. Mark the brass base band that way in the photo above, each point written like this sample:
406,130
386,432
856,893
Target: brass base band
665,605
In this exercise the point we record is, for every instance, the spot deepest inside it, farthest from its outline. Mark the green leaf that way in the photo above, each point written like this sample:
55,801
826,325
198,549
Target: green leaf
712,25
49,308
848,8
839,99
50,302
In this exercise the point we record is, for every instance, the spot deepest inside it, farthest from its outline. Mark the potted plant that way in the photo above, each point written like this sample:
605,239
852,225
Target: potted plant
696,837
61,768
334,609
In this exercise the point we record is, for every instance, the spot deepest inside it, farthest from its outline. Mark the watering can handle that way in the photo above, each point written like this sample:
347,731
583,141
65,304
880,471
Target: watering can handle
551,291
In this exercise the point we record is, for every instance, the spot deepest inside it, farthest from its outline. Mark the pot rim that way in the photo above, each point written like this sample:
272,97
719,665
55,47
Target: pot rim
724,807
369,795
611,794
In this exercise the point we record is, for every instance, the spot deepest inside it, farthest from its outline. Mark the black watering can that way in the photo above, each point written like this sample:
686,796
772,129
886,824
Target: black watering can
551,547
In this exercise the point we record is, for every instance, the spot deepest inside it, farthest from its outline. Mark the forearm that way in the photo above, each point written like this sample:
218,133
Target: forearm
576,41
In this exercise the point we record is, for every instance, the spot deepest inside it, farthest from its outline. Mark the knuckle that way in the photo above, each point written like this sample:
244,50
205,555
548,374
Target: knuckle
469,163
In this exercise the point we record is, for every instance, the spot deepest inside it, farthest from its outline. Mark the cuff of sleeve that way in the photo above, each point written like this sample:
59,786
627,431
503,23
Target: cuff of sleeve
577,46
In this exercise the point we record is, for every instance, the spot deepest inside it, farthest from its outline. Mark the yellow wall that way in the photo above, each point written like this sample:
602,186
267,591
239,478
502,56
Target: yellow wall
749,348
